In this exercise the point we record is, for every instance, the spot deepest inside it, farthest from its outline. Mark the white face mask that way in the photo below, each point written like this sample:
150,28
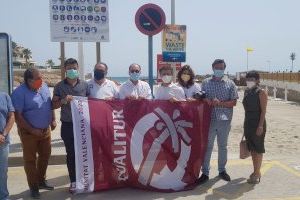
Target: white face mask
167,79
250,84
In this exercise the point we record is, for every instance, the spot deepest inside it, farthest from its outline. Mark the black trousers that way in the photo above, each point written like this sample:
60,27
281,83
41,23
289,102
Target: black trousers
68,138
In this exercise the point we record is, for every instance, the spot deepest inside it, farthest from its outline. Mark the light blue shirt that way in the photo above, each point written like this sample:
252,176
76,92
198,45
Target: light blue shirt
36,107
5,107
224,90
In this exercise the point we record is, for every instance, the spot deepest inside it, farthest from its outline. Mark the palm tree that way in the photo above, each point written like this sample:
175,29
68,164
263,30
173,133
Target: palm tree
15,49
293,57
50,63
27,55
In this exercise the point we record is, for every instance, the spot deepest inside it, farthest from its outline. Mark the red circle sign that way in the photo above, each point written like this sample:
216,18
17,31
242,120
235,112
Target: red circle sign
150,19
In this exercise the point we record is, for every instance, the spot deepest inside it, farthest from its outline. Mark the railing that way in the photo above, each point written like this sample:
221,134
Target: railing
281,76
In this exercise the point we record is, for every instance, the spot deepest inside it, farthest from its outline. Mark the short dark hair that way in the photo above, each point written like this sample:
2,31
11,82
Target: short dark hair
70,61
253,74
28,74
191,72
165,68
134,64
219,61
102,63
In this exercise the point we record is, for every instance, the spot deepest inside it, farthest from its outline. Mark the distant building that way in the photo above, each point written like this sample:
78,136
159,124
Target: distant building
19,60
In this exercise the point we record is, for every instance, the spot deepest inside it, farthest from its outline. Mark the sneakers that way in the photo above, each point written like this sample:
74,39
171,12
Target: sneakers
72,188
203,178
34,193
224,176
44,185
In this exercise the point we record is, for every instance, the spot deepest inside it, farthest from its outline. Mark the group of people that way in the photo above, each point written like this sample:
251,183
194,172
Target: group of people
32,107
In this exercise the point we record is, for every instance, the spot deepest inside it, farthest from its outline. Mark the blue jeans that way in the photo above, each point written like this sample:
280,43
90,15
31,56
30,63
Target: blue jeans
219,129
4,149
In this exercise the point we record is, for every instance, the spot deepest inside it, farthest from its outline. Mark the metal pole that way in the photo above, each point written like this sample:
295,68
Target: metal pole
81,61
247,59
98,52
150,57
173,65
172,11
62,60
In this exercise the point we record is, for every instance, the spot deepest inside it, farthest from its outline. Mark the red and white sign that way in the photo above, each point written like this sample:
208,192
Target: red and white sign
161,64
155,145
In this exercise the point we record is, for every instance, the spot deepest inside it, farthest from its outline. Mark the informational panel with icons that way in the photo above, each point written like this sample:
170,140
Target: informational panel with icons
79,20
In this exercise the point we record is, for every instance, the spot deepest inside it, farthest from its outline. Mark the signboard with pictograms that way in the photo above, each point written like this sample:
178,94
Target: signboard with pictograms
161,64
79,20
174,43
150,19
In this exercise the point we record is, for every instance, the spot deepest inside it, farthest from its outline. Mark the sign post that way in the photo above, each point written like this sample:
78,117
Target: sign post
150,19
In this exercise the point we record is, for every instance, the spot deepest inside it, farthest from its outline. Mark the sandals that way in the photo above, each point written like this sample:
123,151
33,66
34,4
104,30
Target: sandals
253,179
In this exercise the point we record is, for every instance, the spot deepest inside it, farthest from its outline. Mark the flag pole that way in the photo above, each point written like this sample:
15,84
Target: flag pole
247,59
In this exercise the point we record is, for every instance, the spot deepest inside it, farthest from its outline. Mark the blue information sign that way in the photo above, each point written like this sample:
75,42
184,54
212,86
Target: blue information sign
174,56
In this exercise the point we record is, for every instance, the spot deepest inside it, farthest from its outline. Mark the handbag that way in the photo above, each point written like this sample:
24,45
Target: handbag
244,151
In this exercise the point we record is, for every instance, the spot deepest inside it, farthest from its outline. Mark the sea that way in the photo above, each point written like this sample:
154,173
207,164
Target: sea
118,79
123,79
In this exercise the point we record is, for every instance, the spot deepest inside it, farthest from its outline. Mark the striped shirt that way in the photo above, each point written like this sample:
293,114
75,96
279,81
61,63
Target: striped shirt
224,90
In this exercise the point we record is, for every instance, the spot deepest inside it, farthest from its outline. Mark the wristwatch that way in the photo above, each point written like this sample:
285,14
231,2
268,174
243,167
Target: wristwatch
63,101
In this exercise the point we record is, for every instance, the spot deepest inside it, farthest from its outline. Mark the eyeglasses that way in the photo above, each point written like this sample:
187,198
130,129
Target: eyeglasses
134,71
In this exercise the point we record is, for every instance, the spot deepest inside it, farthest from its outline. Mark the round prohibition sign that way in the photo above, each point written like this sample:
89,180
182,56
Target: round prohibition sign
150,19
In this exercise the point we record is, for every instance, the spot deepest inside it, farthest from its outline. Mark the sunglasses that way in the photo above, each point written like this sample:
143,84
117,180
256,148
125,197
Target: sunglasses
134,71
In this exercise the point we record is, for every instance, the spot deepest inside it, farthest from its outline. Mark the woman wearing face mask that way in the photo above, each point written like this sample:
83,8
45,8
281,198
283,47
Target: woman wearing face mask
168,90
185,79
255,104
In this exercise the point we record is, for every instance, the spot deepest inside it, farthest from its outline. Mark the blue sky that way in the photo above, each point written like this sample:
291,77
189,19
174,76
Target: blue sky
215,29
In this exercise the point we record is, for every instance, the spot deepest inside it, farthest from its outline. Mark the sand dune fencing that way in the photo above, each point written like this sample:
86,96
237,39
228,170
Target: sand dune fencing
283,85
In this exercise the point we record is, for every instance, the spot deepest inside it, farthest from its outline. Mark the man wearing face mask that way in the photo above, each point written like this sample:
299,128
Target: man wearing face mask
168,90
62,96
221,94
100,87
34,117
134,88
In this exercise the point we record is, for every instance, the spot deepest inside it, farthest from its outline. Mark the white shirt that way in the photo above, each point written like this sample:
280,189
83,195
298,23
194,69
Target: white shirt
189,92
107,89
141,89
172,90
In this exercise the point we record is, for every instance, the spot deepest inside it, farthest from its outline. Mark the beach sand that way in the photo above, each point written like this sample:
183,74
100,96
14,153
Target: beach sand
283,128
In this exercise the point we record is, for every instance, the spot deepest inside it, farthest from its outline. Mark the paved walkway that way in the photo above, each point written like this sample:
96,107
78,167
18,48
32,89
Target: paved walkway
279,181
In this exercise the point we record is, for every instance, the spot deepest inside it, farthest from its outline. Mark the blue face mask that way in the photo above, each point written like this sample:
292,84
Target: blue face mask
135,76
72,74
219,73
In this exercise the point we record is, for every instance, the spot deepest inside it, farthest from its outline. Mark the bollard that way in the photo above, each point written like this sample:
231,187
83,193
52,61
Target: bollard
274,92
285,94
